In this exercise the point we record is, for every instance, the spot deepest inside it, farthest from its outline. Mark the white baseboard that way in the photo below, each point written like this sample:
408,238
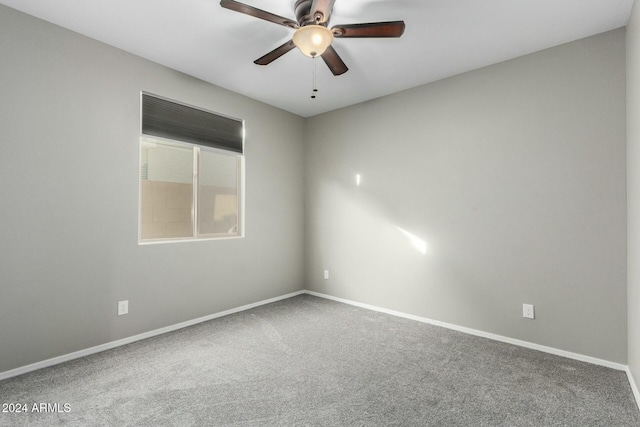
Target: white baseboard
634,386
526,344
113,344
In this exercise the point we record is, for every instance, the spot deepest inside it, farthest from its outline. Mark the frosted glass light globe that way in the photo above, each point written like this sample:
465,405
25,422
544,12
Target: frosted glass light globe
313,40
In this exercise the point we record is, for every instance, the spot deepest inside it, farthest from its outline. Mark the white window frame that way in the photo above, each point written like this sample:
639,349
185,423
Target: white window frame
196,236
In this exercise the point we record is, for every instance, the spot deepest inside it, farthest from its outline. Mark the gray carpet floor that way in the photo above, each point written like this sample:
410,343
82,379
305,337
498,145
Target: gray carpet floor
311,361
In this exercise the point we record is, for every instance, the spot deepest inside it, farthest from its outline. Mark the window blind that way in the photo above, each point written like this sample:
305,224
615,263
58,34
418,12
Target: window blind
167,119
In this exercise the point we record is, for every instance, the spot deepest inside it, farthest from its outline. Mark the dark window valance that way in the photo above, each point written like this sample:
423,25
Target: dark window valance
167,119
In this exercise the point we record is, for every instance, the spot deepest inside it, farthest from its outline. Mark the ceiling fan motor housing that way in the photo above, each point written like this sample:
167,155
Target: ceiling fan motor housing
302,9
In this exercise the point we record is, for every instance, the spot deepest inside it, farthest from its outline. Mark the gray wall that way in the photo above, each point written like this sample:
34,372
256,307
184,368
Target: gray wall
69,130
513,175
633,190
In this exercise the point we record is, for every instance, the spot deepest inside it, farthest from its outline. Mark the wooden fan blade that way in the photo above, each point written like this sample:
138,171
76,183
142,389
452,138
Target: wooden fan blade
275,53
334,62
258,13
372,29
322,7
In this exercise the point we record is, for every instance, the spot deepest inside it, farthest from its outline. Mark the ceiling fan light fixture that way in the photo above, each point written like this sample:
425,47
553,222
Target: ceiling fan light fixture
312,40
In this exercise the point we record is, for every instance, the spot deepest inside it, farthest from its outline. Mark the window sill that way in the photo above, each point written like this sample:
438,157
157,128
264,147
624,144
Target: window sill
185,240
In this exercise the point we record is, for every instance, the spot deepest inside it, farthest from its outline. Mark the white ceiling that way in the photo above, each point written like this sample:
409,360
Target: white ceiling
442,38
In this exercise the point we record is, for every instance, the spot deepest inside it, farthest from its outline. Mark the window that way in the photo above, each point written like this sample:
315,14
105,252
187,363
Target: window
191,173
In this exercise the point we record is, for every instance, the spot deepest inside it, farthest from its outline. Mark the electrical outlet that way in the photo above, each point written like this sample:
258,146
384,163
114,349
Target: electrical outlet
527,311
326,275
123,307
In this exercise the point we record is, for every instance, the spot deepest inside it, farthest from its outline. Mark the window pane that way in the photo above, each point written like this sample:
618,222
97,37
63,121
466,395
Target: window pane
166,190
218,193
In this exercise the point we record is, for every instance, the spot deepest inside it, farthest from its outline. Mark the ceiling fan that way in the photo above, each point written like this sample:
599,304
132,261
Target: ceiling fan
312,36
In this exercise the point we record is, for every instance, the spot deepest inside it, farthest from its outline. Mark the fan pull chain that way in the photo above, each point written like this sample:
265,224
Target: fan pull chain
315,89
